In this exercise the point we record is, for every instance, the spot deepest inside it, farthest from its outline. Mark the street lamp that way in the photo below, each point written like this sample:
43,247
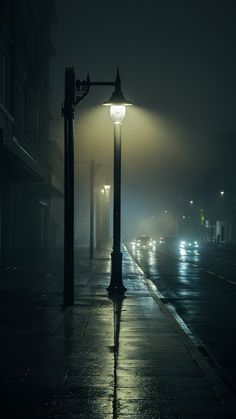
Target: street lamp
117,104
75,91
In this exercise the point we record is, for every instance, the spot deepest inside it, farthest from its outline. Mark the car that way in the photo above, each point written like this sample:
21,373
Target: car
162,240
168,241
144,242
189,244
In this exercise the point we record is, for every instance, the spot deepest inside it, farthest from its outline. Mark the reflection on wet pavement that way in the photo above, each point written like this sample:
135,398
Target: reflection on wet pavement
101,358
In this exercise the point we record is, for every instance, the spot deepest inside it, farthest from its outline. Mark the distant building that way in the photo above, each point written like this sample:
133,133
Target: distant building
31,165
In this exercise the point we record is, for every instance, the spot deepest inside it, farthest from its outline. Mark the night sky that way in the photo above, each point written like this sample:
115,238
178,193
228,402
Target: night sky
177,61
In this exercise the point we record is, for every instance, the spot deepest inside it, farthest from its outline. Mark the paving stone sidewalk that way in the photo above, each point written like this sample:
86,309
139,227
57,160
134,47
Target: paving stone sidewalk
103,358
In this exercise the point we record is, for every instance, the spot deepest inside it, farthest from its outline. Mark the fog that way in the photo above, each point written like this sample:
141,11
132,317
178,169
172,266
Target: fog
177,66
161,161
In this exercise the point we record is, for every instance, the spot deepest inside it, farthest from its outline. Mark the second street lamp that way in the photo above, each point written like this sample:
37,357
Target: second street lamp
117,104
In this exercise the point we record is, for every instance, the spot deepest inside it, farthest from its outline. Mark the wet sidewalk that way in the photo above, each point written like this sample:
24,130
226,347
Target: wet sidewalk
103,358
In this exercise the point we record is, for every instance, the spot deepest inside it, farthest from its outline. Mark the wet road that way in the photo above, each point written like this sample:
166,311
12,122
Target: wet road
201,286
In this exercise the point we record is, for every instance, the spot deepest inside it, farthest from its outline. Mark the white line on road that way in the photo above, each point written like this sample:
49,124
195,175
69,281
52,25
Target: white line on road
211,273
231,282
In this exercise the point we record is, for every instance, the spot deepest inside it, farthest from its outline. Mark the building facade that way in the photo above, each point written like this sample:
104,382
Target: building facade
31,165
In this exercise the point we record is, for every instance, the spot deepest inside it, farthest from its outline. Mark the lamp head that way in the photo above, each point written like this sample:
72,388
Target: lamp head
117,103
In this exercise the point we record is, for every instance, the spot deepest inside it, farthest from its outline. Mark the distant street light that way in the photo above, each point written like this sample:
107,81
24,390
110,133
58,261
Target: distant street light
107,187
222,194
191,202
117,104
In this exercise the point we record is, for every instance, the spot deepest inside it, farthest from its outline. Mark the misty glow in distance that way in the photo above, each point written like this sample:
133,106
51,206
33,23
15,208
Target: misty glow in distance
117,113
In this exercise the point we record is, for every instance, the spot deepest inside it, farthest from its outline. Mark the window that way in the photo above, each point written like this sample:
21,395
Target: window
31,119
20,104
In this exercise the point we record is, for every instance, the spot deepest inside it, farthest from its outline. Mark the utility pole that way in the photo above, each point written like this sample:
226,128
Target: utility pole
92,175
68,113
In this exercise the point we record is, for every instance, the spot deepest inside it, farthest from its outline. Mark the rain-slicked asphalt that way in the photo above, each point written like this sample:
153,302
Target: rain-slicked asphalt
200,285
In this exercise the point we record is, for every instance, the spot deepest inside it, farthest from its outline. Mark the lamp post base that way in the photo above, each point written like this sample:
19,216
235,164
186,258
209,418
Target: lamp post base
116,285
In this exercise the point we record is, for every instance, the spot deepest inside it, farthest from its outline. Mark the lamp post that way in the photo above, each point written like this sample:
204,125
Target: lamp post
75,91
117,104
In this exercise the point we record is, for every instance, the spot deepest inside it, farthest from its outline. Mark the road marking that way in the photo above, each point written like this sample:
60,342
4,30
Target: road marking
221,277
231,282
211,273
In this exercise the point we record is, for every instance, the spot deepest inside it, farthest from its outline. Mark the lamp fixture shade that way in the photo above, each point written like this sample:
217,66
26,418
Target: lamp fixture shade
117,103
117,98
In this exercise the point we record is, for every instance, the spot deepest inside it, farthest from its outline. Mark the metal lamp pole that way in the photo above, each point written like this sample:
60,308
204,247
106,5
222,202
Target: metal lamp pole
91,235
116,284
117,105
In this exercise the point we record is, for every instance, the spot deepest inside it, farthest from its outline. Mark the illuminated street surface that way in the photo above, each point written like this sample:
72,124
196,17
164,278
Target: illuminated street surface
201,286
104,358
